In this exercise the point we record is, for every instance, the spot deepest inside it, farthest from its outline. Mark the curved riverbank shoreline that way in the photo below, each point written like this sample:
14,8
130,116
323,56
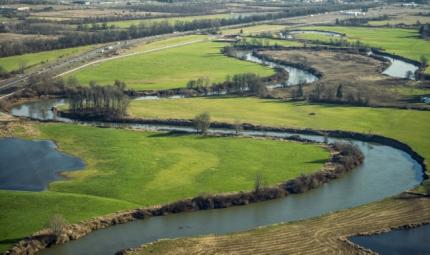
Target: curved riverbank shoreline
251,127
122,218
337,165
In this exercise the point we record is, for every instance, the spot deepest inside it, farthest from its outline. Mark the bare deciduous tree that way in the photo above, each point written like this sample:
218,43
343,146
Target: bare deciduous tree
202,122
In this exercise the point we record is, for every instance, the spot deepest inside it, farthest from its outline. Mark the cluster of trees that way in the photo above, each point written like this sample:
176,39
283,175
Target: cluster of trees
202,122
332,94
239,83
102,101
425,31
94,27
345,43
202,82
360,21
42,28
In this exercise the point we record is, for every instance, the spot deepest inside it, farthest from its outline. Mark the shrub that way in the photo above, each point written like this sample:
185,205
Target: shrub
57,224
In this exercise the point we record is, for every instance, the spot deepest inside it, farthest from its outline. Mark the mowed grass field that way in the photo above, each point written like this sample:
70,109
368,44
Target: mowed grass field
31,59
403,42
408,126
173,20
131,169
170,68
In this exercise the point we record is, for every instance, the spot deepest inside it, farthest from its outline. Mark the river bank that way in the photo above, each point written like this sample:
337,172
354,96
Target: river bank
268,129
45,238
327,233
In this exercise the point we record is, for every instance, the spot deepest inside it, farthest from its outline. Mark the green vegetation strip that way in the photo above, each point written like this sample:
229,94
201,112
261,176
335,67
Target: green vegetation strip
130,169
411,127
403,42
170,68
31,59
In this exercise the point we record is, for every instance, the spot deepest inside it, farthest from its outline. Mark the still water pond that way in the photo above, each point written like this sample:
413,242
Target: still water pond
32,165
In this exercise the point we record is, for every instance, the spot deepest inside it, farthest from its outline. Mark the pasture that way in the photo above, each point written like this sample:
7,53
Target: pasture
130,169
170,68
389,122
31,59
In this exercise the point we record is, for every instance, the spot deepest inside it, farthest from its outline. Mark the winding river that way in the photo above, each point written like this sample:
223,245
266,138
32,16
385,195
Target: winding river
366,184
296,76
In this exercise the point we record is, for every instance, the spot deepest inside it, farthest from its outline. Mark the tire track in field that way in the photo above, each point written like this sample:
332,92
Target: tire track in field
314,236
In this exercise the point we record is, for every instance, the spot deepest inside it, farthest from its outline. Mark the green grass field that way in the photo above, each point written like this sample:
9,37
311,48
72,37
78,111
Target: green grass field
170,68
280,42
31,59
408,126
314,37
130,169
403,42
250,30
173,20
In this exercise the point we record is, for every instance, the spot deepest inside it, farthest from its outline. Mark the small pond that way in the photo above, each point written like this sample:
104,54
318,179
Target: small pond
32,165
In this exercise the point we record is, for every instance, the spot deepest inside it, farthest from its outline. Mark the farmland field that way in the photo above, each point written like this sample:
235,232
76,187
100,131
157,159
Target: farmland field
31,59
173,20
313,235
249,30
130,169
170,68
389,122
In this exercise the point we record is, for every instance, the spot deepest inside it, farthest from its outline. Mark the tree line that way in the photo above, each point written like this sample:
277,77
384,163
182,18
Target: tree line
424,31
99,101
79,38
249,83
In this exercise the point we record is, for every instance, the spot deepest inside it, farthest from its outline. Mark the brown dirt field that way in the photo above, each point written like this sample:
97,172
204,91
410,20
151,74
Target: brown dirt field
355,72
335,66
315,236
